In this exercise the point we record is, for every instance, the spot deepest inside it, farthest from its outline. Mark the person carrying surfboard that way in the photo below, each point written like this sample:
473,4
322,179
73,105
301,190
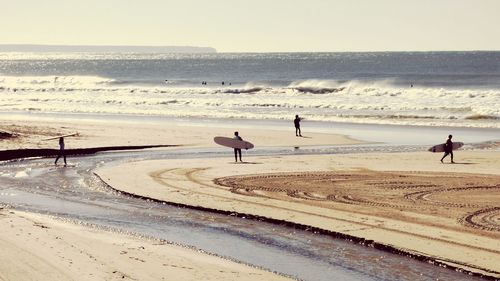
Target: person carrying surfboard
237,150
448,149
61,151
296,122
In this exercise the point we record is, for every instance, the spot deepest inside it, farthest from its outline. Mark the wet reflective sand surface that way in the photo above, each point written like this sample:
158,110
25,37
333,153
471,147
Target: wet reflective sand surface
76,194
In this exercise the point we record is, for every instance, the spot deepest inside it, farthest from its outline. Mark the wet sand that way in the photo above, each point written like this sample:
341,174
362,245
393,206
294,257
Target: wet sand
407,201
38,247
31,133
62,251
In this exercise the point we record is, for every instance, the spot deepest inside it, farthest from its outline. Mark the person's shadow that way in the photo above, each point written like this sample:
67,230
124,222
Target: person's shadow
461,163
245,162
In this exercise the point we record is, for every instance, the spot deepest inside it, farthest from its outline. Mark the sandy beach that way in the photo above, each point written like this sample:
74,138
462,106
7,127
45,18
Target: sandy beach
39,247
109,169
67,251
408,201
405,202
32,132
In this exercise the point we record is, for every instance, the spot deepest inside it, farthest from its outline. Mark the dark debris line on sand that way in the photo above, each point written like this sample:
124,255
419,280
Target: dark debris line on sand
6,135
26,153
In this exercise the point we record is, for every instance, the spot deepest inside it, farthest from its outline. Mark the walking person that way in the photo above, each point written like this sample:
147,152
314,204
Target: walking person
237,150
61,152
296,122
448,149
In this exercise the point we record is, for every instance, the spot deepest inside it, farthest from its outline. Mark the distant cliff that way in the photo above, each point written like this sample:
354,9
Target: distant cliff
103,49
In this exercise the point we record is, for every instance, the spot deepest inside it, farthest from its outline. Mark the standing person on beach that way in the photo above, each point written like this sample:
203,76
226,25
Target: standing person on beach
296,122
237,150
448,149
61,151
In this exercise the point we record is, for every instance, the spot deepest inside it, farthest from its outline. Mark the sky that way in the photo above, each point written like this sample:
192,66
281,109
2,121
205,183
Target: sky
257,25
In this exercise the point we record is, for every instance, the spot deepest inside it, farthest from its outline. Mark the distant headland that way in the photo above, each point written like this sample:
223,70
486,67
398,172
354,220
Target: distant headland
103,48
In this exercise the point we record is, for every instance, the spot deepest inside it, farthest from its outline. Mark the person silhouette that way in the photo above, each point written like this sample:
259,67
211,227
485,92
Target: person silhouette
448,149
296,122
61,151
237,150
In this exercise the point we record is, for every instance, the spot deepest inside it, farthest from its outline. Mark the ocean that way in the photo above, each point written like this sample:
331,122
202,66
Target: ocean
460,89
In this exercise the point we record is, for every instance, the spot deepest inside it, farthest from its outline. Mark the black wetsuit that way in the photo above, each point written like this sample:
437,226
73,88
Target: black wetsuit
237,150
61,152
296,122
448,149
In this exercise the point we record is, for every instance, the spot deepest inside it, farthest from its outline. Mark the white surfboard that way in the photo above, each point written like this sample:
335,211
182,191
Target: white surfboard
440,147
230,142
64,136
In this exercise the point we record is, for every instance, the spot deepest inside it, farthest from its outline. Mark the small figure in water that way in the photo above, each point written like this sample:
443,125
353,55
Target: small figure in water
448,149
237,150
411,85
296,122
222,83
61,151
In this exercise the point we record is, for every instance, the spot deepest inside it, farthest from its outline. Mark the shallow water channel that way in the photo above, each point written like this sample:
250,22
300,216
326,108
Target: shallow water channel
76,193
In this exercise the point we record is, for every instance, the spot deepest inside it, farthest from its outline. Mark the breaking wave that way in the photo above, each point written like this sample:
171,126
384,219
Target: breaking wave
319,90
321,100
243,90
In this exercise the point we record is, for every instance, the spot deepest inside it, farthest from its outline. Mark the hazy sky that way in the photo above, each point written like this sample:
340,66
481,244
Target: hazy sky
257,25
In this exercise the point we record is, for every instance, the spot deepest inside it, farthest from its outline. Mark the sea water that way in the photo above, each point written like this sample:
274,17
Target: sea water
459,89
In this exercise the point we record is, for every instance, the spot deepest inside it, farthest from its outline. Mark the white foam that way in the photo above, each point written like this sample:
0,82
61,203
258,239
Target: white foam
321,100
21,174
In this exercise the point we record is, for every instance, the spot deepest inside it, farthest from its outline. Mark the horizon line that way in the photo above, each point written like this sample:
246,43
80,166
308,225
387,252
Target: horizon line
199,49
41,48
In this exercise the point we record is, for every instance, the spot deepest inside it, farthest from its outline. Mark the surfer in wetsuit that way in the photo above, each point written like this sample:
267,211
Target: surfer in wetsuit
296,122
61,151
448,149
237,150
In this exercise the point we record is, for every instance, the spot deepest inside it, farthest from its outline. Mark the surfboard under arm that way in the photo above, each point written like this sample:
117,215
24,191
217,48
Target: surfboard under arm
230,142
441,147
64,136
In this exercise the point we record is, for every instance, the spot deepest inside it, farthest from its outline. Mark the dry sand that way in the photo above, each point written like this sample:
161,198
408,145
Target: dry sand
409,201
97,133
37,247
